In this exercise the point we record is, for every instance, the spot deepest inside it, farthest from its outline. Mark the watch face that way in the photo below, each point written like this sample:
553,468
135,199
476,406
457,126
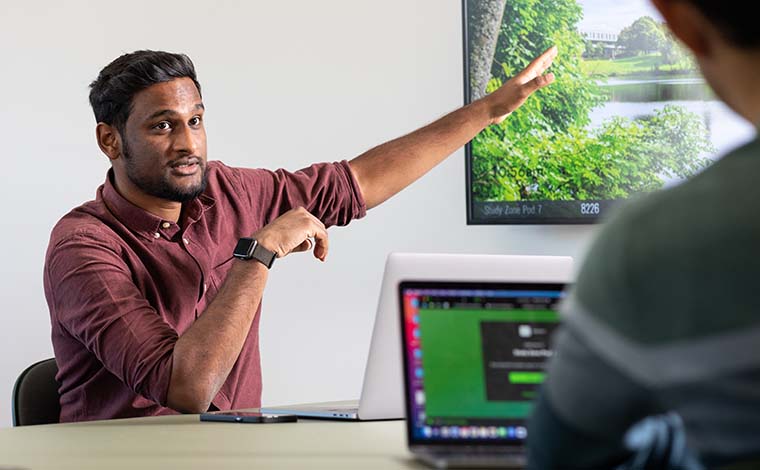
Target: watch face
249,248
244,248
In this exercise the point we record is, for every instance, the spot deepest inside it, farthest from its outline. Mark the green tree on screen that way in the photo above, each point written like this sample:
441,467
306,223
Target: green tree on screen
645,35
673,53
528,28
546,150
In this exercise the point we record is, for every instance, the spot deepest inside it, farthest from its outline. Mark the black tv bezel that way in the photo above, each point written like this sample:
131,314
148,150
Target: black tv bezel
471,220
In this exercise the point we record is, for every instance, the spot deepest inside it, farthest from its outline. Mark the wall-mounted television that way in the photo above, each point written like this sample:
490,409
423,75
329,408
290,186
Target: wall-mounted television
628,113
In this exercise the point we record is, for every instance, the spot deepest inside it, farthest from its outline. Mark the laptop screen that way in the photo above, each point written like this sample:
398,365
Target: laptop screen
474,357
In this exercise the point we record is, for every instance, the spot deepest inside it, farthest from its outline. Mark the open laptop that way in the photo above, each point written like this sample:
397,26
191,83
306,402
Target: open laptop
382,390
474,357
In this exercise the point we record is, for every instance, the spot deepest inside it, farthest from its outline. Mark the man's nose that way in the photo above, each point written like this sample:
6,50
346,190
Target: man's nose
186,140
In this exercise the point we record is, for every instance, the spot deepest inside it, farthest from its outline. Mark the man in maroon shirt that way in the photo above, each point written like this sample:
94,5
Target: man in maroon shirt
151,313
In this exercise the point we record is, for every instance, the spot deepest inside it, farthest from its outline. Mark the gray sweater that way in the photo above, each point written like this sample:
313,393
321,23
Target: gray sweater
665,316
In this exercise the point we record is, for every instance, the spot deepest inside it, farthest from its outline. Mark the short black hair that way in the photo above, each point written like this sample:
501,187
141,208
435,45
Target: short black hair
112,92
734,19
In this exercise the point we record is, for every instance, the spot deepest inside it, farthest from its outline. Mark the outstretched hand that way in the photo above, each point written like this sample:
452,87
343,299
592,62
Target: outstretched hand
514,92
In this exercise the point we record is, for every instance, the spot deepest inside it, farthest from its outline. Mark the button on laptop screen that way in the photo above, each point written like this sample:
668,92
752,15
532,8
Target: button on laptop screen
475,356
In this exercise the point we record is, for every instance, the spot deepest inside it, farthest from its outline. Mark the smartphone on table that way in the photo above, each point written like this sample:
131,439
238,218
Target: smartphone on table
247,417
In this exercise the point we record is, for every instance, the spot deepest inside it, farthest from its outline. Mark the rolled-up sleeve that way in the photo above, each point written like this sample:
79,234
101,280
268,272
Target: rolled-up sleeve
97,301
329,191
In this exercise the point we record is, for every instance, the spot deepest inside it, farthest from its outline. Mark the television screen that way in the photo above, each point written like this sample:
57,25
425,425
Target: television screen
628,113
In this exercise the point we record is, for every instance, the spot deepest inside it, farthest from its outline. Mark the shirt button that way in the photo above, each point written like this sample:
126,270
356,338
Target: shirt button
156,235
184,240
166,225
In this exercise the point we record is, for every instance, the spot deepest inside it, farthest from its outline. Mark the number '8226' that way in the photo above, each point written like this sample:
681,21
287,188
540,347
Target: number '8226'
590,208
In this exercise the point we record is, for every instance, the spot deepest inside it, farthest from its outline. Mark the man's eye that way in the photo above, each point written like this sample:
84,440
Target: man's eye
162,126
195,121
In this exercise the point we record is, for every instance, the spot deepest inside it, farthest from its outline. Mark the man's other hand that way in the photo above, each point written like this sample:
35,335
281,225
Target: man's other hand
513,94
292,232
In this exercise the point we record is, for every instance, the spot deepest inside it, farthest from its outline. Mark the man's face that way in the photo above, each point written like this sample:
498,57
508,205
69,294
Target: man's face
164,141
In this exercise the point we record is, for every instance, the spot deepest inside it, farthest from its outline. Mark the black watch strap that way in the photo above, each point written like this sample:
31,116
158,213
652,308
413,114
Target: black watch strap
250,248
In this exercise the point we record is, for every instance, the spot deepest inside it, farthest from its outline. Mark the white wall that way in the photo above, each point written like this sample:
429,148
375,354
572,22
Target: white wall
285,84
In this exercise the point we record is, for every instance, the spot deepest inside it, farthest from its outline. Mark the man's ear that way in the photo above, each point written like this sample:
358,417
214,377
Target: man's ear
109,140
688,24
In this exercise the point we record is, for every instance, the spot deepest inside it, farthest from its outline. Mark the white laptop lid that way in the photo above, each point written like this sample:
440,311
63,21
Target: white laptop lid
383,388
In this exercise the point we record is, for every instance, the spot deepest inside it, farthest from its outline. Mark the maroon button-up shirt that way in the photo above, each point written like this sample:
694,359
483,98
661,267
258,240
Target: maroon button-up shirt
122,285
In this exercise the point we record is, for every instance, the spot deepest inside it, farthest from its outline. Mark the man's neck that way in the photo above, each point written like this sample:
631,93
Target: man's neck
165,209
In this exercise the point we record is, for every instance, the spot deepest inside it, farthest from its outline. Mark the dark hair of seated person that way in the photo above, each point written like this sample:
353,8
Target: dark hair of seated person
734,19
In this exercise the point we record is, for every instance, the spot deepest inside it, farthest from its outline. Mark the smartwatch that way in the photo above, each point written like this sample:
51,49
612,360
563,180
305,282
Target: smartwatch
250,248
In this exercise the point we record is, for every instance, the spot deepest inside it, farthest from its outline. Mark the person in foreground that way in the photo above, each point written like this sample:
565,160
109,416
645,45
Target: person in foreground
150,311
664,321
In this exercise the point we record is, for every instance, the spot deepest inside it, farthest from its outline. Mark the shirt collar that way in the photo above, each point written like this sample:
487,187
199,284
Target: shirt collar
143,222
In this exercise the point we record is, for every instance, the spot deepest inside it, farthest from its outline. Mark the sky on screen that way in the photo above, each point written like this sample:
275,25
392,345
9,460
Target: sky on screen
611,16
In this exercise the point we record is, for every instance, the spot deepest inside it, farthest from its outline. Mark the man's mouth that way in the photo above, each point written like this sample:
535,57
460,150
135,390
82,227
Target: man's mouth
185,166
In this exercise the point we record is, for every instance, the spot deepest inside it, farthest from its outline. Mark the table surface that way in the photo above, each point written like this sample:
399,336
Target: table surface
185,442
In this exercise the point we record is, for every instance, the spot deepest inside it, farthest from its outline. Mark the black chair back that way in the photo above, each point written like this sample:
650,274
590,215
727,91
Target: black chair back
35,395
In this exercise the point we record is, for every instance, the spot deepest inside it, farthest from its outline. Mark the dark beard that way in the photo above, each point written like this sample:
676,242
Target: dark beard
160,187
